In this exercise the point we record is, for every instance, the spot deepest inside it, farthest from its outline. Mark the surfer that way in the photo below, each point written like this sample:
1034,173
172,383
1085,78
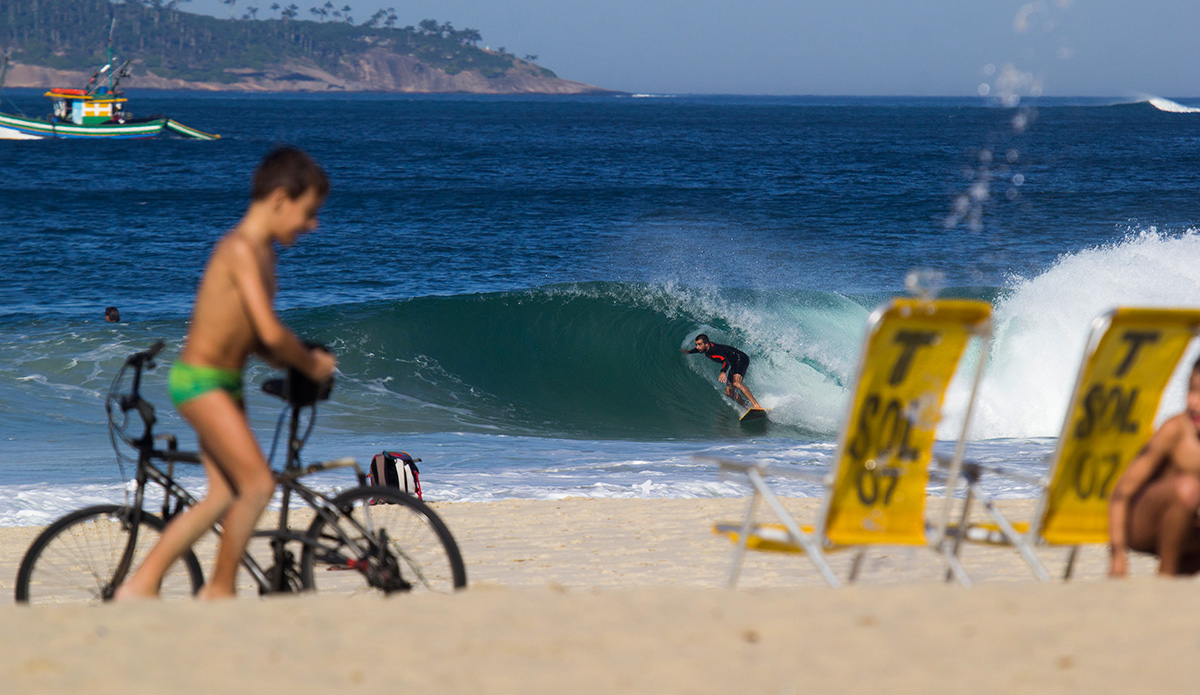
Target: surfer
734,363
1154,503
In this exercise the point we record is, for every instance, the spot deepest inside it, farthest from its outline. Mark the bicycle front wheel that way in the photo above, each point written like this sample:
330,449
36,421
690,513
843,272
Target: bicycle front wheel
390,540
76,559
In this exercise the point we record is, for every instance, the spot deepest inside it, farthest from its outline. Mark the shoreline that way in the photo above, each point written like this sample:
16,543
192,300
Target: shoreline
602,543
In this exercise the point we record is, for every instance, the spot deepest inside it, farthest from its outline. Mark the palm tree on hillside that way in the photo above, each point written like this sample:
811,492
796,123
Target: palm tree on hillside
470,36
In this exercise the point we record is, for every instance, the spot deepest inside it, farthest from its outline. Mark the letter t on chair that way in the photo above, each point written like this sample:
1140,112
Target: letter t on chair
876,486
1130,356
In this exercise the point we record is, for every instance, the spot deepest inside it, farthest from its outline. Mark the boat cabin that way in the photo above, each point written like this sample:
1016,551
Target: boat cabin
81,108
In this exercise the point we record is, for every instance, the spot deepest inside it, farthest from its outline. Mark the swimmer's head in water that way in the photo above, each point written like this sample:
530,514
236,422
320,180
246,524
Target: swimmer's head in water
111,315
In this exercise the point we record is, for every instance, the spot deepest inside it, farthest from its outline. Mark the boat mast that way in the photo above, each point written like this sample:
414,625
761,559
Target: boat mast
4,71
109,53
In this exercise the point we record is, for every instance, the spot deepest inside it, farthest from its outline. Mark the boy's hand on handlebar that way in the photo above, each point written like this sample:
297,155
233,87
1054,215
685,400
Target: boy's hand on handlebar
322,365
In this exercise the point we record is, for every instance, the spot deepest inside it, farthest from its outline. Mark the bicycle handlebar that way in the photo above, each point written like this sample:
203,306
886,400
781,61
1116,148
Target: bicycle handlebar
124,402
138,359
297,388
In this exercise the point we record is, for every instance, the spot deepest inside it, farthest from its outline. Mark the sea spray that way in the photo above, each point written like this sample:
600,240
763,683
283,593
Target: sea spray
1041,325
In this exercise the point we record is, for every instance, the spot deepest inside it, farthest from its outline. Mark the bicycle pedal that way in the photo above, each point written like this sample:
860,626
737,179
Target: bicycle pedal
345,566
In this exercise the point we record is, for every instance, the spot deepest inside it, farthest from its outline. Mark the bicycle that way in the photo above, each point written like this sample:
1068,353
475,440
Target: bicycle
391,540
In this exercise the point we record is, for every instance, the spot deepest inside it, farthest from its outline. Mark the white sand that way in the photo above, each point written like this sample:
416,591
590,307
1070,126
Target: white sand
602,596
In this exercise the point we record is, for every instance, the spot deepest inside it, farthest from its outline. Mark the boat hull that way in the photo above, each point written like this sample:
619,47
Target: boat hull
21,128
14,134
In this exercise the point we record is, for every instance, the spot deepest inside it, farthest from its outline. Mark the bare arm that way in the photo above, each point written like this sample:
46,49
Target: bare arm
277,341
262,354
1140,470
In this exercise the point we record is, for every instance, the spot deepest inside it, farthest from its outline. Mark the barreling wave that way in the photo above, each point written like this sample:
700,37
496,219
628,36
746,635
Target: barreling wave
601,360
595,360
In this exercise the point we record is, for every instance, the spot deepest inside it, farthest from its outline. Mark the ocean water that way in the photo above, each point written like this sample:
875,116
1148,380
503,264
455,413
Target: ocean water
507,281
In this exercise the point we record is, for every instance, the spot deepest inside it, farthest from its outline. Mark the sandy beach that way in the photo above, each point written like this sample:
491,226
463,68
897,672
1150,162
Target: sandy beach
599,596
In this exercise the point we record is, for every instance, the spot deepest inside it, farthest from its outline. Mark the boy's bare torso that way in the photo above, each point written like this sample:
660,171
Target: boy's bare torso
222,333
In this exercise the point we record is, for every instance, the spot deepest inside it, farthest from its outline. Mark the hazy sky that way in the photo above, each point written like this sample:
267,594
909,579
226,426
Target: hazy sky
833,47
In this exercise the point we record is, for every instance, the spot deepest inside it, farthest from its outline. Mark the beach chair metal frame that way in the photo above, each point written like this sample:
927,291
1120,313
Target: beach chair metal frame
973,322
1167,332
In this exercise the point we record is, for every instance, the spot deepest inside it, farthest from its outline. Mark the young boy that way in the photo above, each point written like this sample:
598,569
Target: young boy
232,318
1154,503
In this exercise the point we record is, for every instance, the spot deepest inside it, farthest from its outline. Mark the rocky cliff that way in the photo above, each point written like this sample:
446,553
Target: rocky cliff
376,70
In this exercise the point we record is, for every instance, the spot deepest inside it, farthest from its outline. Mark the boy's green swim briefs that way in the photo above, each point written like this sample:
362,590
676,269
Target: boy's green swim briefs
187,381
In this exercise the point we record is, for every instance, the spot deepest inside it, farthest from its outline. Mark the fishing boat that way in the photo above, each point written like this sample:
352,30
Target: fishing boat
97,111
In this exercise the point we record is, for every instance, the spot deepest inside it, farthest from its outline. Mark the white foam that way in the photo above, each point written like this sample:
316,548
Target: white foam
37,505
487,468
1042,325
1171,106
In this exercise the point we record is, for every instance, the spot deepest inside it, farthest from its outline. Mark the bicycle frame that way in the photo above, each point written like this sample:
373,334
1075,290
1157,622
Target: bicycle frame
148,473
391,540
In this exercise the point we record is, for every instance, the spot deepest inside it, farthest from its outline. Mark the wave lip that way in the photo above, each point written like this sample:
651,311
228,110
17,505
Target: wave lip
1171,106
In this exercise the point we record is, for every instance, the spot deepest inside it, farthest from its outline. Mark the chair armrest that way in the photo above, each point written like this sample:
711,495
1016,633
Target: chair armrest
973,471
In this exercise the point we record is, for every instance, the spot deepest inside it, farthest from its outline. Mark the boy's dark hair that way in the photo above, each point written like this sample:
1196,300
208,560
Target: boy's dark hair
1196,365
111,313
292,170
703,337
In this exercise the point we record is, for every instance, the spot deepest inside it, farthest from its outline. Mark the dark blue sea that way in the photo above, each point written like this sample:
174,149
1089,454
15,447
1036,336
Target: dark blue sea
507,281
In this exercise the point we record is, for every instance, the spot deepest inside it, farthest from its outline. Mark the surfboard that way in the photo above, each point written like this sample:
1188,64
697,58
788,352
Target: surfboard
753,415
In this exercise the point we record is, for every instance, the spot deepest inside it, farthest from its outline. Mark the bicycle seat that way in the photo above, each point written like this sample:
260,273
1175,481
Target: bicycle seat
297,389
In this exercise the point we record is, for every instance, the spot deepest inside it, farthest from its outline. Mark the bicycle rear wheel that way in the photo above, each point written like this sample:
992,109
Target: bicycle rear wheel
419,554
76,558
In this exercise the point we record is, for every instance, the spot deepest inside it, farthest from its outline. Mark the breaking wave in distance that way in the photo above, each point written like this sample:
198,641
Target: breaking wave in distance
1170,106
1041,325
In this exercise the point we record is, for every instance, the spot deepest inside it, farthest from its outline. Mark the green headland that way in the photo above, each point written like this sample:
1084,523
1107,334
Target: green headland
273,48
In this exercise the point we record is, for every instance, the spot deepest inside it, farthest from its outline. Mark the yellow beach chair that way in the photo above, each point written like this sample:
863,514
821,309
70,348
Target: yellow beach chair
876,487
1130,355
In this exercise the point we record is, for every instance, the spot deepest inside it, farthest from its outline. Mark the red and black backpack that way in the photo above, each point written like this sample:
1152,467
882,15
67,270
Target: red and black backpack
398,470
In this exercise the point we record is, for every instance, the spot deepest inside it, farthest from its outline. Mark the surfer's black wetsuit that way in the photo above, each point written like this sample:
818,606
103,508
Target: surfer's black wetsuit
733,361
